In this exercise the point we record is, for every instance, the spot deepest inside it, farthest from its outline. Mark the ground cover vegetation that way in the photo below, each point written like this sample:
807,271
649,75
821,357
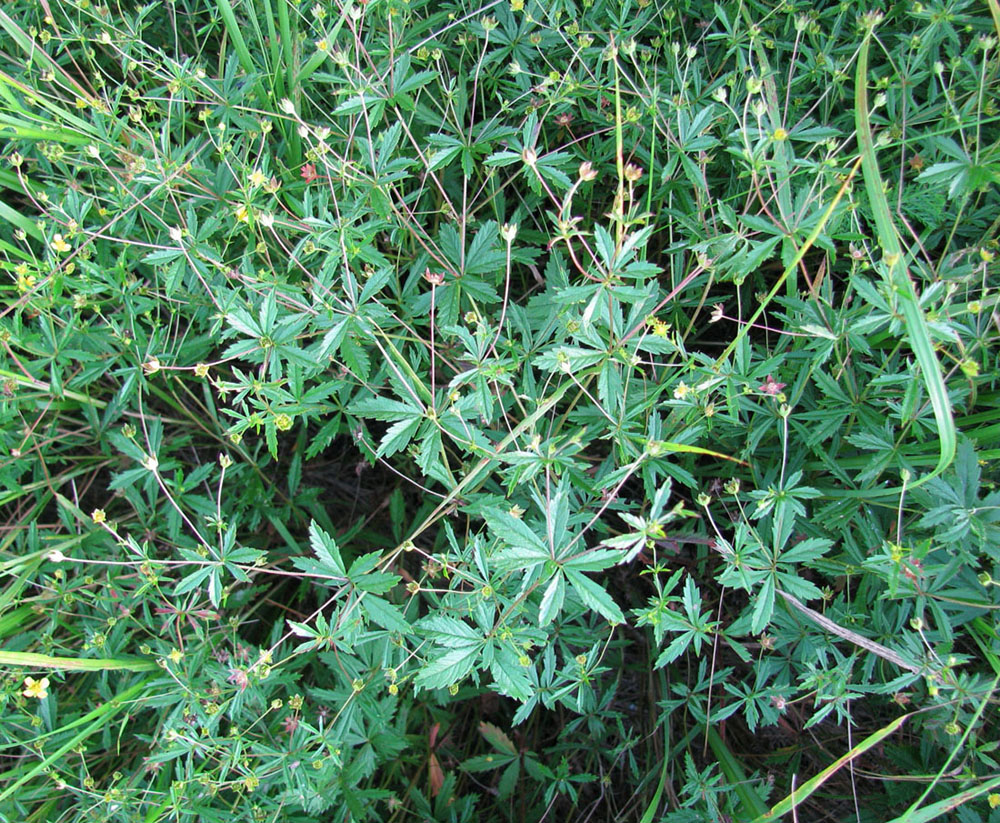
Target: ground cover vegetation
499,411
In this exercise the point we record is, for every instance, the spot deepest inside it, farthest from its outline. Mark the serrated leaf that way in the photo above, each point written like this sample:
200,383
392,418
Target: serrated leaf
450,668
514,532
763,606
447,631
398,437
510,678
595,560
552,600
497,738
594,596
485,762
385,614
326,550
377,582
384,409
812,548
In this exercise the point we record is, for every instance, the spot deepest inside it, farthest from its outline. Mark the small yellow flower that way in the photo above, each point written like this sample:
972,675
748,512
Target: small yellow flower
257,178
201,370
282,422
98,516
780,134
176,656
243,214
36,688
59,245
987,257
681,390
994,800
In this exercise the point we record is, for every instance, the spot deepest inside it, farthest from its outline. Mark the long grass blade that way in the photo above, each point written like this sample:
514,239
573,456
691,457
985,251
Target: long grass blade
733,770
810,786
897,275
949,804
99,664
236,35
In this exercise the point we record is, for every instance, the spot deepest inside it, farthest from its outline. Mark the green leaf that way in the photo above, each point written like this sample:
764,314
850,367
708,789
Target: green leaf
515,532
552,600
326,550
594,597
398,437
385,409
97,664
450,668
763,606
897,276
385,614
497,738
510,678
447,631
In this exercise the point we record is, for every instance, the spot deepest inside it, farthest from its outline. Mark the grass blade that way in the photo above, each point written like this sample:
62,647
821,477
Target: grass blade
897,276
733,770
99,664
797,796
233,30
949,804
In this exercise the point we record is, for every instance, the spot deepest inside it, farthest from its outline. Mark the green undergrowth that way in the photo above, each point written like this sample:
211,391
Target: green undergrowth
511,411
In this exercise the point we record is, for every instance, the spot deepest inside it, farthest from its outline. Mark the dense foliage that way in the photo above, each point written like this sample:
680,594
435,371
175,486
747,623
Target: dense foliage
526,410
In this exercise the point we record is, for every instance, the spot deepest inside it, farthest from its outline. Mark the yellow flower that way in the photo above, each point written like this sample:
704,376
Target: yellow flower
176,655
780,134
994,800
36,688
59,245
201,370
681,390
98,516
